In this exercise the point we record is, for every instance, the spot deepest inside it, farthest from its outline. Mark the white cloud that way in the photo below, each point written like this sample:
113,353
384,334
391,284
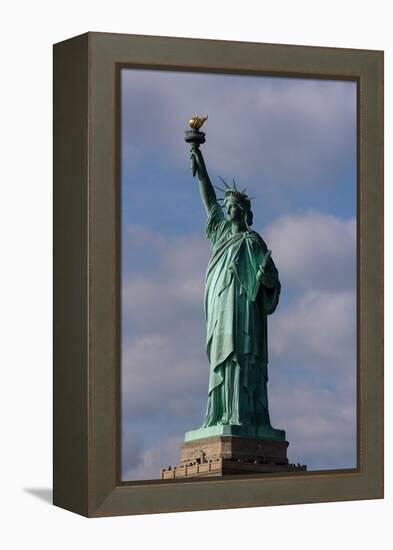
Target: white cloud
140,237
320,424
314,250
165,453
164,363
162,376
170,291
131,449
290,130
319,326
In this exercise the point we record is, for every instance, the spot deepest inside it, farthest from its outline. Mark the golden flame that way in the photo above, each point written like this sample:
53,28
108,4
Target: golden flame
196,122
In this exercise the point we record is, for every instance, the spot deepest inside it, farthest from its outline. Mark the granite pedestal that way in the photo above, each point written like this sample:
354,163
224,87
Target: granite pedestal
220,455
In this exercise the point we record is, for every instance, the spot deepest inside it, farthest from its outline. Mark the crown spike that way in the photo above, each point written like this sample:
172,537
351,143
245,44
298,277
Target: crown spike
219,188
234,184
244,190
224,182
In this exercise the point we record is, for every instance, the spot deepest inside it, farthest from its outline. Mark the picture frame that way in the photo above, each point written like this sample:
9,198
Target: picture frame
86,412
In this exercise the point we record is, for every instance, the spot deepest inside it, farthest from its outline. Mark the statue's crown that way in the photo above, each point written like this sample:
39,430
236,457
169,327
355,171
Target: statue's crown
234,194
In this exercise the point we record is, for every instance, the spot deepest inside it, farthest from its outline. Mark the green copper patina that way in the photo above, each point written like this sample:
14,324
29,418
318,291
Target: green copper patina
242,289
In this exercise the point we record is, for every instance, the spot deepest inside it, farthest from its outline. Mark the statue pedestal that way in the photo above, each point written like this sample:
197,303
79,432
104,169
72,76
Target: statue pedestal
261,432
230,455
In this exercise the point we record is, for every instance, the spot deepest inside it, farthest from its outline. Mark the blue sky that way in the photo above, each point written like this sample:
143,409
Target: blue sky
292,142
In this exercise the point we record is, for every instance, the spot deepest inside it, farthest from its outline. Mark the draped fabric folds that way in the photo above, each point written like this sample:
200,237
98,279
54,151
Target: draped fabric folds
236,342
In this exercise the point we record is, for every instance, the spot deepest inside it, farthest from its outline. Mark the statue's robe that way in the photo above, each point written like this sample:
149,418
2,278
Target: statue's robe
236,319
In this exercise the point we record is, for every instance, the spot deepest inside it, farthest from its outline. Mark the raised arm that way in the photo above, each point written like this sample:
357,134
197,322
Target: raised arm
206,188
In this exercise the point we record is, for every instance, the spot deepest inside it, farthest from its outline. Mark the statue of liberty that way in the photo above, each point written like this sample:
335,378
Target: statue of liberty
242,289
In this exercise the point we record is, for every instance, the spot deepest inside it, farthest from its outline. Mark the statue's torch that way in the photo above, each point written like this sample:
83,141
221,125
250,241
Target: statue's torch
195,137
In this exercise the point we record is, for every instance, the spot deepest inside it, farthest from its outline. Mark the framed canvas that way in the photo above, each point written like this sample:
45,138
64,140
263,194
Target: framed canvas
303,128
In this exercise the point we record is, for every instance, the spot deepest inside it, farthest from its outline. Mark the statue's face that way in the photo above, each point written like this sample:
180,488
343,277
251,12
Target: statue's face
235,212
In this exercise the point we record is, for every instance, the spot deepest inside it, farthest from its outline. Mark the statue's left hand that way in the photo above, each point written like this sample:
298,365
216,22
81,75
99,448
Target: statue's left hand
265,279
